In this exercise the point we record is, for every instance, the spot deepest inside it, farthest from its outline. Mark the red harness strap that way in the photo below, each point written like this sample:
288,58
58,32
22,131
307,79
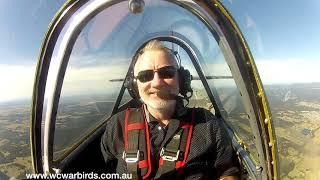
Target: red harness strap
148,146
181,164
138,125
134,125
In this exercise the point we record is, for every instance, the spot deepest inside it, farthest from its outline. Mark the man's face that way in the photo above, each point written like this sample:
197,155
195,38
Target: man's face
157,93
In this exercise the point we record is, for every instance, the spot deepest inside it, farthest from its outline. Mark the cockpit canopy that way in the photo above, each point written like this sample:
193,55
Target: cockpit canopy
87,54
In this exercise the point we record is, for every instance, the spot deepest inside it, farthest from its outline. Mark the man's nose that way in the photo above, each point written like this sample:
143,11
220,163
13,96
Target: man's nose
156,81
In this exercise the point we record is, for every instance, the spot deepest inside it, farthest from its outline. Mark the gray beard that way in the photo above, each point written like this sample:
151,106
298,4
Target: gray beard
163,108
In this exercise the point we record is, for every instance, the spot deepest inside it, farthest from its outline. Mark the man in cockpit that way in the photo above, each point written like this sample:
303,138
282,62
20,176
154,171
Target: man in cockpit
162,138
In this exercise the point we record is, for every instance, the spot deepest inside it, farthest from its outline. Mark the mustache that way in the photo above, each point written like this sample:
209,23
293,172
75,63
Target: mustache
164,94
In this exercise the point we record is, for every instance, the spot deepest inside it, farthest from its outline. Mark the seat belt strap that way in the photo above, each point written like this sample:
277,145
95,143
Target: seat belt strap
185,145
170,154
180,165
136,136
131,154
174,155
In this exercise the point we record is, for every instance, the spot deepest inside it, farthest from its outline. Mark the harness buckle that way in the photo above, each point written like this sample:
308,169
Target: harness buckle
168,157
131,157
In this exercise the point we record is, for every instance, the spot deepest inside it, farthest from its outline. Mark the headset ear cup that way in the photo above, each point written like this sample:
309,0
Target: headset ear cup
185,82
131,85
135,90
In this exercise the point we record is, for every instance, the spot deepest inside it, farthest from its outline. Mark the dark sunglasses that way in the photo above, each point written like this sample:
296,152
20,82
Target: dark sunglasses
166,72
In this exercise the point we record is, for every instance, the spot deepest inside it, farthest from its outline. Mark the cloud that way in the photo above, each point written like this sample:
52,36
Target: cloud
254,37
288,71
230,1
16,82
250,23
93,79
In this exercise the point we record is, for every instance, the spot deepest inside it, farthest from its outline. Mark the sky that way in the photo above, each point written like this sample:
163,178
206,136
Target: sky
282,28
283,37
23,25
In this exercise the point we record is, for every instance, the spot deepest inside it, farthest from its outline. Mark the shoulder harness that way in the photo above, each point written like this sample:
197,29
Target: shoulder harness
173,156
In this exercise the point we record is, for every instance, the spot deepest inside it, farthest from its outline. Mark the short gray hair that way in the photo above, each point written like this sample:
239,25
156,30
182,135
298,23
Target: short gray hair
157,45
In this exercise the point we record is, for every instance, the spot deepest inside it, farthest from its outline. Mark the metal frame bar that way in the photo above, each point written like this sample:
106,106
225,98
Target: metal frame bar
243,155
241,78
71,16
42,68
246,77
250,85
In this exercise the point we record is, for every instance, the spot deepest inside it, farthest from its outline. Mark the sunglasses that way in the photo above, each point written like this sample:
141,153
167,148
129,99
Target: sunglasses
166,72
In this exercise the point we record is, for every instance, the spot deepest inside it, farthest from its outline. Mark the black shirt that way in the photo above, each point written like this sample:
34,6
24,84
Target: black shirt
210,155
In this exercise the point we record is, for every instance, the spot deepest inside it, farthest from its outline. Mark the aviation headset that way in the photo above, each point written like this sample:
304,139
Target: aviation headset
184,77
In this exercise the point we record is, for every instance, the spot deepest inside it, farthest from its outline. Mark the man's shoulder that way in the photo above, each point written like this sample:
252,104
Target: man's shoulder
119,118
